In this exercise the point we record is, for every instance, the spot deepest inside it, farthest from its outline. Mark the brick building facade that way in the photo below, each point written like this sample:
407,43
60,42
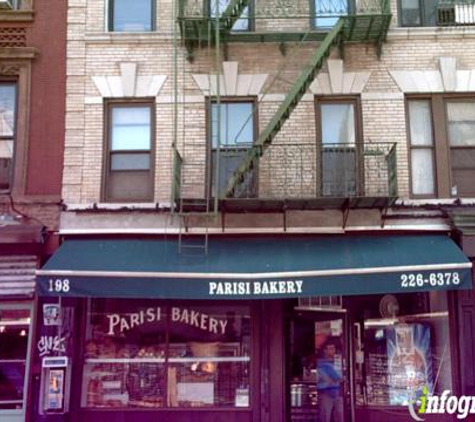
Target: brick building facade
374,157
32,84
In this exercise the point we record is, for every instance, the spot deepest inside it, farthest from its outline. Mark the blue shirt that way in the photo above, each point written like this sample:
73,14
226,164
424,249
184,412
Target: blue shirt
329,378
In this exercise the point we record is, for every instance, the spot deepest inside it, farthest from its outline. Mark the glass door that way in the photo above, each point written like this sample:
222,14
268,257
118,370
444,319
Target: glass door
318,381
14,357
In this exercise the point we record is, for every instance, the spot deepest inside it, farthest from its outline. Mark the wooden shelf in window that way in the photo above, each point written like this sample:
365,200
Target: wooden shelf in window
188,359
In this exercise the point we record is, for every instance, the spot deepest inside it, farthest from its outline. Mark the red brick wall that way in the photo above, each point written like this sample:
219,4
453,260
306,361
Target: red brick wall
47,100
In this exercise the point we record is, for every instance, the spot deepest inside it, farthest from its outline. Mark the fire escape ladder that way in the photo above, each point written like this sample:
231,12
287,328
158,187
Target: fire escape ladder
198,30
289,104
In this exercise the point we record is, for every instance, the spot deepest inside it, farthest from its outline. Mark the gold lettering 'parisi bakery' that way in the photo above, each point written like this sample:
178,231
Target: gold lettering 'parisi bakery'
120,323
244,331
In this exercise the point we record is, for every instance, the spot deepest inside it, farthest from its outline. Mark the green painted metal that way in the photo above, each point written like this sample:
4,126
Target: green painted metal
198,30
176,182
392,173
232,13
283,113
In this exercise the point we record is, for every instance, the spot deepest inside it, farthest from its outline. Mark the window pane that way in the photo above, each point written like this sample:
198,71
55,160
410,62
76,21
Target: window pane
7,109
463,171
461,120
130,185
229,161
410,13
420,123
130,162
124,355
242,24
430,12
6,149
328,12
339,171
210,361
237,124
338,124
132,15
131,128
14,331
422,168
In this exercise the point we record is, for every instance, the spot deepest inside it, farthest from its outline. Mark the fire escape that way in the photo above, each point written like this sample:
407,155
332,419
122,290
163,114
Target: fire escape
365,21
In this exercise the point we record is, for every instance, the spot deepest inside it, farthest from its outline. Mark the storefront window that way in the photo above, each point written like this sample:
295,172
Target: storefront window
140,354
14,331
401,346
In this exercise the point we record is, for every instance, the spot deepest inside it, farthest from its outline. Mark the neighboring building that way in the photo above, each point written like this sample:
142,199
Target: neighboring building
32,109
223,236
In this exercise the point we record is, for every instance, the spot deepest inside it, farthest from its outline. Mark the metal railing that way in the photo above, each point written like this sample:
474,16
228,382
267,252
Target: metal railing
328,171
293,9
309,171
456,12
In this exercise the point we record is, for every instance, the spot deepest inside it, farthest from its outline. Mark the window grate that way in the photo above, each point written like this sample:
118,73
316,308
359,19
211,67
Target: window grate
318,302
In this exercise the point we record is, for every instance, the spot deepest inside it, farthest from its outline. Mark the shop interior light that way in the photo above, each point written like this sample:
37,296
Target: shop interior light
17,322
23,333
380,322
369,323
2,328
8,220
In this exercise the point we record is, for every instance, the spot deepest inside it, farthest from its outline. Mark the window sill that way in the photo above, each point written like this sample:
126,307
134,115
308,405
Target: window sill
435,32
23,53
128,37
407,202
17,16
116,206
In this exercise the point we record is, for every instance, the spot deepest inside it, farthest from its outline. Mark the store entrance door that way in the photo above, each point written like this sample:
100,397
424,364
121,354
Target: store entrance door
318,386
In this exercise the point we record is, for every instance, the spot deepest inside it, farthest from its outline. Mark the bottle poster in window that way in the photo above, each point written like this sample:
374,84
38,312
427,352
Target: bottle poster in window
409,361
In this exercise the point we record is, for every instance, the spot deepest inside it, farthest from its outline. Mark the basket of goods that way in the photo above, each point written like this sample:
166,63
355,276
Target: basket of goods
205,350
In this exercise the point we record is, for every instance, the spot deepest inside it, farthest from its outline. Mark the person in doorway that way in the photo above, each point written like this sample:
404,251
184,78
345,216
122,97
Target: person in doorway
329,385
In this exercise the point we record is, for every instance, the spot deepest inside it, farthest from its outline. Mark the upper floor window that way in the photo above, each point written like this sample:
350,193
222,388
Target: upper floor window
337,122
418,12
244,23
327,12
442,146
422,147
129,161
7,133
461,137
232,134
131,15
435,13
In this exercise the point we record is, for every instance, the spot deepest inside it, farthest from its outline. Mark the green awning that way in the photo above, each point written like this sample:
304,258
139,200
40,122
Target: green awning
256,267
